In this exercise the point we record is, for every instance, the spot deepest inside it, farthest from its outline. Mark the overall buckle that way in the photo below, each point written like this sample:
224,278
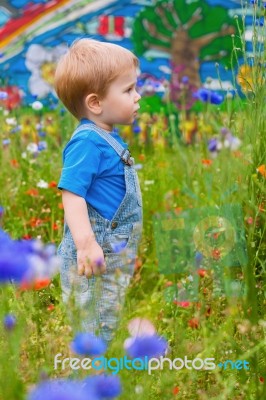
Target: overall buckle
126,161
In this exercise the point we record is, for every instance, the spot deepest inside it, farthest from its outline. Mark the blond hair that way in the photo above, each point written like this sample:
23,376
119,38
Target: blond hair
89,66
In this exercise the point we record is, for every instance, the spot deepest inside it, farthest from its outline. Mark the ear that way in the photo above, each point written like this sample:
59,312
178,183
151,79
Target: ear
93,104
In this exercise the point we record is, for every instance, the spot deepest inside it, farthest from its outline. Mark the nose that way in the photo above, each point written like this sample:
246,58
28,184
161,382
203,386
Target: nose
137,96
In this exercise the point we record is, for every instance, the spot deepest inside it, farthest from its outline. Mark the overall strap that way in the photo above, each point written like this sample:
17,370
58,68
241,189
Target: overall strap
124,154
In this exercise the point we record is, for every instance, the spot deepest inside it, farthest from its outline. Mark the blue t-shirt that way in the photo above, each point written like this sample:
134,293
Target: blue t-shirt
93,170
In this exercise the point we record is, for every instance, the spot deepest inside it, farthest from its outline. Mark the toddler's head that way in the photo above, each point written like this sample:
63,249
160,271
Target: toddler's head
90,66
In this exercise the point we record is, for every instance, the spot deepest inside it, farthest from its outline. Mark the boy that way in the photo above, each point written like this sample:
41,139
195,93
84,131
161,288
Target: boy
100,190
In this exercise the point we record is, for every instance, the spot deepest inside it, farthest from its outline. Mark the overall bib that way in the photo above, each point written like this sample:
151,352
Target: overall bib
99,299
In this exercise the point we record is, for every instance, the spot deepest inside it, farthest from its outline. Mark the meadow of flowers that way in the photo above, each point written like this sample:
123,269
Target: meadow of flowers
199,288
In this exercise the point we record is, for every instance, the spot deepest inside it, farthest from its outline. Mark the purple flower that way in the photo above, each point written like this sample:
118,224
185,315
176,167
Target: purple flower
99,262
103,386
224,131
88,344
149,346
185,79
208,96
60,390
9,322
212,145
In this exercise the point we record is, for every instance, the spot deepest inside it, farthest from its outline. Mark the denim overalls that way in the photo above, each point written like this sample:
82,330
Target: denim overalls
99,299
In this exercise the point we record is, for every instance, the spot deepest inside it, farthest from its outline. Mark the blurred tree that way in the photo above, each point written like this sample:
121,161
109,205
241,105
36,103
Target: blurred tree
192,32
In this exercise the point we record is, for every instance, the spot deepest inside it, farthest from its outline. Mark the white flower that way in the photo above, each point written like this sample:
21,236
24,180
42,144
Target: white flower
138,166
11,121
37,105
219,146
235,143
40,61
24,155
148,182
42,184
32,148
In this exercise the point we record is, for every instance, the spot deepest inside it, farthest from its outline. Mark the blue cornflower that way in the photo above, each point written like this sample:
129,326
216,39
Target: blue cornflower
116,130
42,145
208,96
118,246
60,390
4,239
88,344
26,260
6,142
136,129
42,133
12,264
198,258
150,346
212,144
103,386
9,322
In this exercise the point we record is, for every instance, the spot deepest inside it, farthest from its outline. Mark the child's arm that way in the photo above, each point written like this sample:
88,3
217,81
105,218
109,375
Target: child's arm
89,252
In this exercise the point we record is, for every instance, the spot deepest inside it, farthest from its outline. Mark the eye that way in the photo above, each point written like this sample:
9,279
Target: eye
129,89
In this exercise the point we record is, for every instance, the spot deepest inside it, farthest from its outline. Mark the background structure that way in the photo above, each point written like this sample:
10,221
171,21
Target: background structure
173,39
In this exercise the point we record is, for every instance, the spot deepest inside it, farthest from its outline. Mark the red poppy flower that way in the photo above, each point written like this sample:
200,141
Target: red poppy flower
202,272
183,304
216,254
168,283
26,237
55,227
176,390
33,192
207,162
34,222
38,284
52,184
193,323
14,163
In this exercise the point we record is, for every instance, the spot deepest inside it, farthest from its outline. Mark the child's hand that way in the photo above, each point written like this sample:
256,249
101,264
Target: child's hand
91,260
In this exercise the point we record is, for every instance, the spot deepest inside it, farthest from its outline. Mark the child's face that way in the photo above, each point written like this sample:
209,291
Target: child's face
120,104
